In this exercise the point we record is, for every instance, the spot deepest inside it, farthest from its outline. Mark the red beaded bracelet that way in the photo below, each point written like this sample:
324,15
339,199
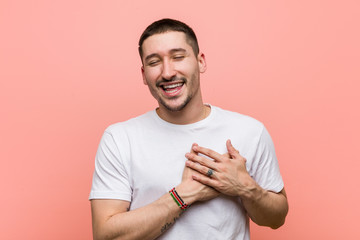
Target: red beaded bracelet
178,199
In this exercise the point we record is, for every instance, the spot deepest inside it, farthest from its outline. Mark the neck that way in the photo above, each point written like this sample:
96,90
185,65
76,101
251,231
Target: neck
193,112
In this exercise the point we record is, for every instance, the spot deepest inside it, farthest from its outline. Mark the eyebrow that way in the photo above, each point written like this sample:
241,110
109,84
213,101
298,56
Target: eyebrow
177,50
174,50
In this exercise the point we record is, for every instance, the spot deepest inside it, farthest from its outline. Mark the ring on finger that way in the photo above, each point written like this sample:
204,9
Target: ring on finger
210,172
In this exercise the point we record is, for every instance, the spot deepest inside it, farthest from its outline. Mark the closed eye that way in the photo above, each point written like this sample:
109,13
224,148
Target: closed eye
153,62
178,57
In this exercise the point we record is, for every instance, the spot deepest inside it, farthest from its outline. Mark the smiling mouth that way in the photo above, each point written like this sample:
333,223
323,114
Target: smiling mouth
172,88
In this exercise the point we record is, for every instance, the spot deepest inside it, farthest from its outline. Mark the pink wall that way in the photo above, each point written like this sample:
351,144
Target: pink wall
70,68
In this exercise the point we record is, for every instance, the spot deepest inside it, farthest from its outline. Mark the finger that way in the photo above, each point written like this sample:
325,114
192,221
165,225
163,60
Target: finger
232,151
206,171
235,153
208,152
187,173
192,148
203,161
205,180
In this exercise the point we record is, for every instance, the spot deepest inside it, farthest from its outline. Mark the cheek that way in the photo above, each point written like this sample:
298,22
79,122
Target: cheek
189,67
152,75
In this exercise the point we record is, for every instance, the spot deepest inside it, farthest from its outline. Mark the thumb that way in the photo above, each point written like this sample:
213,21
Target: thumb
232,151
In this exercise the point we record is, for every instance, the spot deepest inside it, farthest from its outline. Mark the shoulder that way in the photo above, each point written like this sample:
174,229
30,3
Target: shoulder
132,124
241,120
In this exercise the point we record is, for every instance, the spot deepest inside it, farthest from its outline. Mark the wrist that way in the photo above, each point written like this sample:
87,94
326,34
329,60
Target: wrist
188,196
252,193
178,200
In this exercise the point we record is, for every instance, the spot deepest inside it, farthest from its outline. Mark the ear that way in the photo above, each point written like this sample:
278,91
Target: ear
143,75
202,62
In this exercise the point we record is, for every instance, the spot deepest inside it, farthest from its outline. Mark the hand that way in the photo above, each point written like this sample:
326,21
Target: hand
227,174
193,190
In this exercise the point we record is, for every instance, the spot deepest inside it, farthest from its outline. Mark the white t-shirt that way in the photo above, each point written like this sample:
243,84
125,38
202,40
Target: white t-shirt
143,158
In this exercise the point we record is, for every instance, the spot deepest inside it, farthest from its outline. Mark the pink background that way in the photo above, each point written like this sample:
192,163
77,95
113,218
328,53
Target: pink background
69,68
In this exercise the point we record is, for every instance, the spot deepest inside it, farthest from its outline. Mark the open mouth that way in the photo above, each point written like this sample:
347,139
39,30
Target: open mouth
172,88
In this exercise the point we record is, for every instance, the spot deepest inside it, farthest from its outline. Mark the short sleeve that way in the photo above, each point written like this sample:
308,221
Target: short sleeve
265,168
110,179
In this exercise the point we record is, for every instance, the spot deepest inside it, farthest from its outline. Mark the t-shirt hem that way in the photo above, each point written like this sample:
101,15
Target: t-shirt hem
278,188
110,195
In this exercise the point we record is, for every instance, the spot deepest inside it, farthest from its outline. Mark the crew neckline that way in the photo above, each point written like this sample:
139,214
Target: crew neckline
186,126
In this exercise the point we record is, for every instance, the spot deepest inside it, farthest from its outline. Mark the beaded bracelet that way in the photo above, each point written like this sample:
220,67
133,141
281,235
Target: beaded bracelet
178,199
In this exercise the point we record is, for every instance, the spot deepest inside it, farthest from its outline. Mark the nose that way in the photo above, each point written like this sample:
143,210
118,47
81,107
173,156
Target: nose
168,71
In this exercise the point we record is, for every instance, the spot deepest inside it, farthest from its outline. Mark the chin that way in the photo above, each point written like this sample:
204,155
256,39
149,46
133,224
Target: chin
175,108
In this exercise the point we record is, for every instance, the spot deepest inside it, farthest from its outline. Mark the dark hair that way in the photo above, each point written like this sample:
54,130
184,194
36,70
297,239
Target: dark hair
167,25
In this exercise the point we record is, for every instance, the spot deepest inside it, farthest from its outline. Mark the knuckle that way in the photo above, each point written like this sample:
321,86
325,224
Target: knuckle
203,180
207,151
190,164
200,160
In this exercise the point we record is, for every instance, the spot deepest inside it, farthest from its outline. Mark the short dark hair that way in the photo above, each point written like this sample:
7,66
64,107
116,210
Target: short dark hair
168,25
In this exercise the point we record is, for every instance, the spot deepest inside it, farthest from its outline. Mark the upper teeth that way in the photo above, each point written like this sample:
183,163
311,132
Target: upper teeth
172,85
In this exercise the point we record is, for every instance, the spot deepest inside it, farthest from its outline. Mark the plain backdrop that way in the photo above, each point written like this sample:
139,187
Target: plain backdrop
70,68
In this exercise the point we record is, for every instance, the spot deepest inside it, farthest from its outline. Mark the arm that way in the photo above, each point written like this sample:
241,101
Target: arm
266,208
231,178
112,220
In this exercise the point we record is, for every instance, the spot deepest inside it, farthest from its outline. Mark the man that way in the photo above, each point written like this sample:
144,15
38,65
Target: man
151,168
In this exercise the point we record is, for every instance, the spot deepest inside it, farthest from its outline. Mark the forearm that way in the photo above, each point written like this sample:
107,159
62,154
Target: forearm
112,221
147,222
264,207
150,221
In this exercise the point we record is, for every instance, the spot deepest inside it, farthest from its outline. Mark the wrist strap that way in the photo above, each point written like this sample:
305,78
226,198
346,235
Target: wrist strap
178,199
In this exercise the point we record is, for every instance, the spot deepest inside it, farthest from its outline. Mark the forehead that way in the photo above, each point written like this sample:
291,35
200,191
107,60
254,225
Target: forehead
163,43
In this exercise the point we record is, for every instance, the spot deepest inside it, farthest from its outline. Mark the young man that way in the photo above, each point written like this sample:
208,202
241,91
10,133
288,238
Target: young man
151,168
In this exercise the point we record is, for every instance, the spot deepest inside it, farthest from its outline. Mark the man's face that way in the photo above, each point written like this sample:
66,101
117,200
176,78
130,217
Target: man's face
171,70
